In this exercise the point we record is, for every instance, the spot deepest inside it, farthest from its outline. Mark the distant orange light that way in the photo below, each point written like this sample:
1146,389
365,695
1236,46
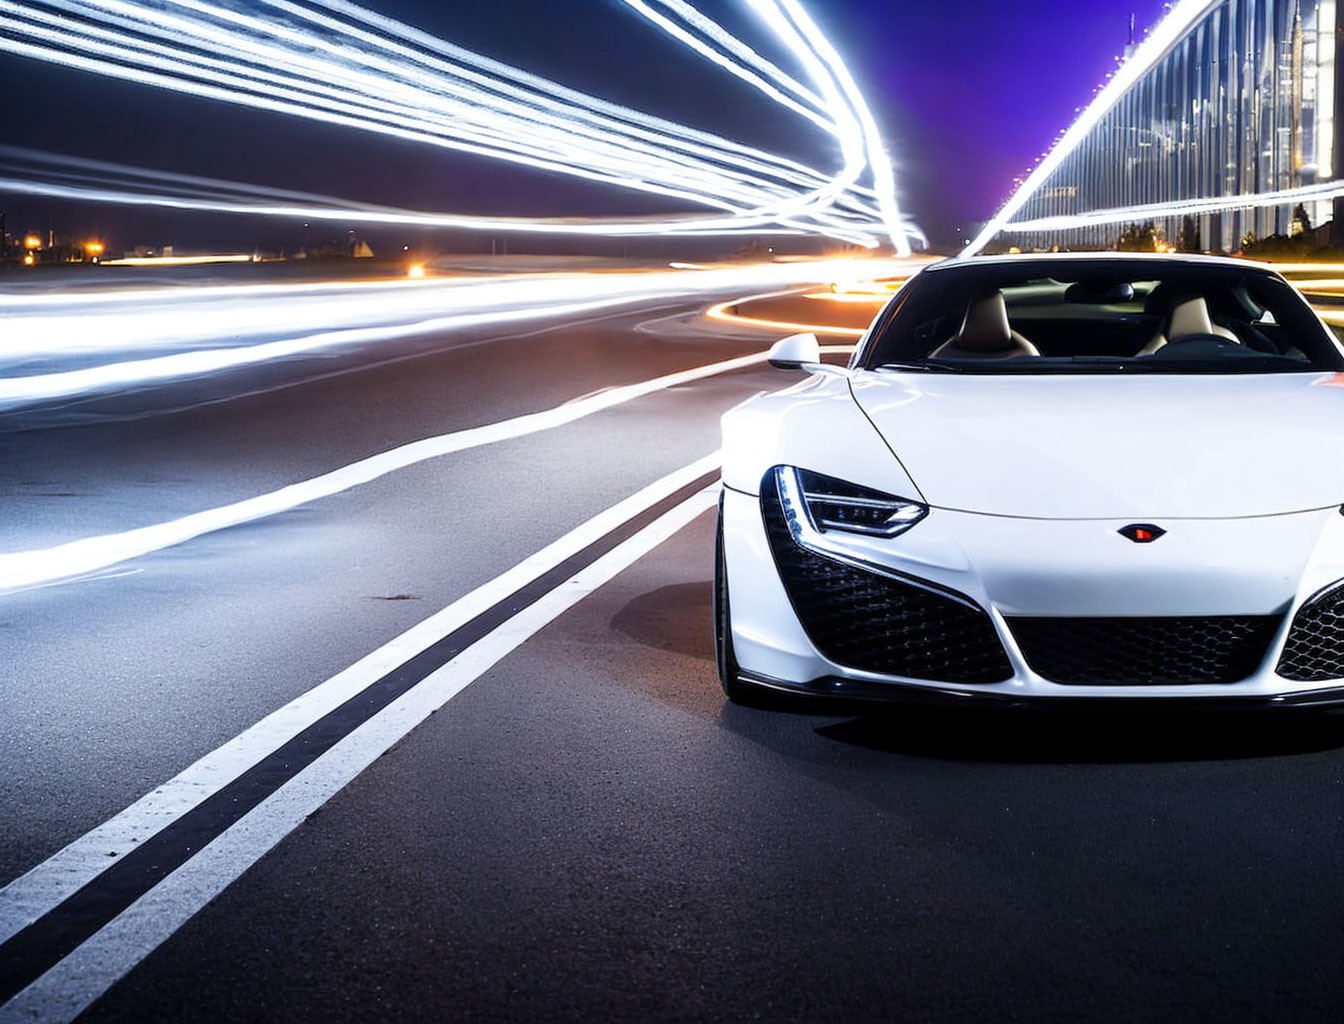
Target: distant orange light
28,260
32,242
417,270
94,248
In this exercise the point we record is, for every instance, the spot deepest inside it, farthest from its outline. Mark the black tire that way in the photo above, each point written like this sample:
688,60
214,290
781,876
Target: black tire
733,688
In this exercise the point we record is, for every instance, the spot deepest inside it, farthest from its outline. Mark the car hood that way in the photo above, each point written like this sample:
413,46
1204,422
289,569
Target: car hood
1114,447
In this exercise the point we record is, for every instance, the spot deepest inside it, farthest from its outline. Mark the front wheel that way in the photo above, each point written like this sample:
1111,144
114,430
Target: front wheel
734,689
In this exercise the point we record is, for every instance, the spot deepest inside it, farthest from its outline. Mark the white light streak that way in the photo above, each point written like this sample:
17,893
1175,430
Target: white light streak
880,163
41,387
178,261
1181,207
335,62
62,346
23,569
261,206
812,107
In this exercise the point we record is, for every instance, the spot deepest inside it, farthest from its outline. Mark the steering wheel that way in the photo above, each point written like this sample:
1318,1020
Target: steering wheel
1215,340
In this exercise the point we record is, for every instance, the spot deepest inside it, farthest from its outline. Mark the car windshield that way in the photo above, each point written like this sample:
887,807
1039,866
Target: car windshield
1099,316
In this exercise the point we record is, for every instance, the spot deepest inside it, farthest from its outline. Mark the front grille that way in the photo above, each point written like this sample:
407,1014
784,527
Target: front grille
877,624
1144,651
1315,648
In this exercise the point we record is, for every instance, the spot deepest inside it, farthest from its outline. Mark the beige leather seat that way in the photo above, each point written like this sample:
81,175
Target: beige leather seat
986,334
1189,317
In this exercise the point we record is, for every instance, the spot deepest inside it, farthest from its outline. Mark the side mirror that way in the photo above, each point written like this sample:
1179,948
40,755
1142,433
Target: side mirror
795,352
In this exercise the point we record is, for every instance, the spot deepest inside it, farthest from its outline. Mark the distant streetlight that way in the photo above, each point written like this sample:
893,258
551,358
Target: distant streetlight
94,248
28,260
32,242
417,270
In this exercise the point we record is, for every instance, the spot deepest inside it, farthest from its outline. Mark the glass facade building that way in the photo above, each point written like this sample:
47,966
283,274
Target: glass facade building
1245,102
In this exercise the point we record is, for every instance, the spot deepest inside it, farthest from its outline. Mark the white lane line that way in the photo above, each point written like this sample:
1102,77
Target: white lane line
23,569
69,987
41,889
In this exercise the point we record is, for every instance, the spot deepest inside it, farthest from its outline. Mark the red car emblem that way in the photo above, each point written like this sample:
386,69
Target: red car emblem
1142,533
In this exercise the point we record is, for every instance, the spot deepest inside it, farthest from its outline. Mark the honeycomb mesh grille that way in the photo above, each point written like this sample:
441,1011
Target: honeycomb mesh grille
1315,648
1145,651
876,624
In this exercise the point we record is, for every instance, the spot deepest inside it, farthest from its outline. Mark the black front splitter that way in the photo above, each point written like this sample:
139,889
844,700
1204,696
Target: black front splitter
832,688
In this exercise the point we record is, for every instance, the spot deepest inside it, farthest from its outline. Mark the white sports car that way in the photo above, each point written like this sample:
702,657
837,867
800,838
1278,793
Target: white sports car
1043,479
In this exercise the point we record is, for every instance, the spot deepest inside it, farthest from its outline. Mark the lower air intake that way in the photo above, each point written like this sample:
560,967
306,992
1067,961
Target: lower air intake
1145,651
870,622
1314,652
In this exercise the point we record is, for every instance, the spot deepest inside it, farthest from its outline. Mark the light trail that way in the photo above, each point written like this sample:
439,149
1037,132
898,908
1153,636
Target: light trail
76,299
880,163
111,341
851,298
261,207
630,120
332,61
24,569
856,125
179,261
79,558
775,83
347,114
16,392
1183,15
1179,208
724,311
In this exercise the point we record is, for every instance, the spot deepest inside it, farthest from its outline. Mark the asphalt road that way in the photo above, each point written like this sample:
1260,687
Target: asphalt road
580,828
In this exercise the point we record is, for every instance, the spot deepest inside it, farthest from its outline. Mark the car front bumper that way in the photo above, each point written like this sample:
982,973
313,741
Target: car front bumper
1261,570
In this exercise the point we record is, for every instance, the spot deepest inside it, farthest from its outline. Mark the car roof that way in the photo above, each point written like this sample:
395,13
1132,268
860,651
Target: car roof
1028,258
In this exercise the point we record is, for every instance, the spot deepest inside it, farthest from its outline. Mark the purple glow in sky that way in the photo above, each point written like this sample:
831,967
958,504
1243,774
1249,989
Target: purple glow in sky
971,91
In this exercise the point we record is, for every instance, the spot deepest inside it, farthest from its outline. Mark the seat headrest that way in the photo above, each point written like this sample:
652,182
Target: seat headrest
986,327
1190,317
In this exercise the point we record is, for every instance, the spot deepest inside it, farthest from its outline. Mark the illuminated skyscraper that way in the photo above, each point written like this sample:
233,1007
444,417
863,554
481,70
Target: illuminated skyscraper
1242,103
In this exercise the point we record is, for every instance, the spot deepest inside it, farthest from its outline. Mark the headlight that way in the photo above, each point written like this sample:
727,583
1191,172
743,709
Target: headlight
816,504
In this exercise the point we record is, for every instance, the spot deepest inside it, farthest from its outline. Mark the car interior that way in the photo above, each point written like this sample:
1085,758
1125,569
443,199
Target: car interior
1224,319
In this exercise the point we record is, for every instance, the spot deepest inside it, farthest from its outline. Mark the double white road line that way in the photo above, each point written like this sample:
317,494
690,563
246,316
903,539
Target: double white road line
78,922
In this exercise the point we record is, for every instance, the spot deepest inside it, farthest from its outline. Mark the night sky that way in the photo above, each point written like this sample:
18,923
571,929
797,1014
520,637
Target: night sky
967,92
